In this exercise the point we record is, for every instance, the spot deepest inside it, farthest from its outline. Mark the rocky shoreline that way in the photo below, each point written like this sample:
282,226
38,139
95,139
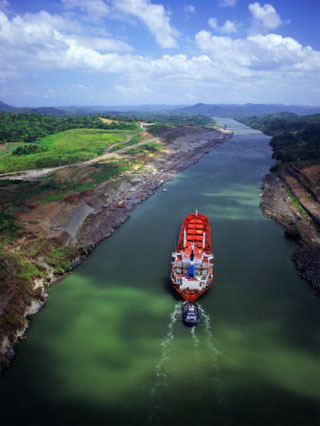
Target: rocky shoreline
299,224
86,219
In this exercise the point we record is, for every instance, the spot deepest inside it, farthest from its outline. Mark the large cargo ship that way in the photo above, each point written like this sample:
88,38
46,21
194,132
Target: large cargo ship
192,266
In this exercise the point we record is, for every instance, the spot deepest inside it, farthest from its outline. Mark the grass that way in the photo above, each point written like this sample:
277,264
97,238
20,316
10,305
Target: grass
78,183
133,141
66,147
13,194
7,148
18,269
145,149
8,224
295,203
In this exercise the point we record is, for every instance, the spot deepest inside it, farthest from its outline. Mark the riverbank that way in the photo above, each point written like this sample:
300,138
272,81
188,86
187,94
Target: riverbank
291,198
57,233
291,192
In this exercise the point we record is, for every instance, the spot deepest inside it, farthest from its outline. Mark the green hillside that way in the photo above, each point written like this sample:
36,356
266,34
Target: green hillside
66,147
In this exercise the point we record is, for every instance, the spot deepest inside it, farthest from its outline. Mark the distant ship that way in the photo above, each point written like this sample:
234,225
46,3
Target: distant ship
192,266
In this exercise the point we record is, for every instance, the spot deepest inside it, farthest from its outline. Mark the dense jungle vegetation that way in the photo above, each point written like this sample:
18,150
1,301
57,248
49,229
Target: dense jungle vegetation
163,118
31,127
295,139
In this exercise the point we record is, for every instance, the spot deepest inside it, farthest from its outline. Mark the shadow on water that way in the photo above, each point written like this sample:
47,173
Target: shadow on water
182,404
179,406
166,284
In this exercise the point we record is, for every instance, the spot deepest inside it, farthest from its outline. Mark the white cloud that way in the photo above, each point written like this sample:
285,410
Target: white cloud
258,53
189,8
45,31
38,41
265,16
213,22
153,16
246,68
41,40
98,43
227,28
30,29
227,3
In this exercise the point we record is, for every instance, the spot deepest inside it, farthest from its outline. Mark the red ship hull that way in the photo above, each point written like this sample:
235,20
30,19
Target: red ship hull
192,267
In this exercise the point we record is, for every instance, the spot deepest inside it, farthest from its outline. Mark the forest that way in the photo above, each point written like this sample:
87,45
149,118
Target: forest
163,118
32,127
295,139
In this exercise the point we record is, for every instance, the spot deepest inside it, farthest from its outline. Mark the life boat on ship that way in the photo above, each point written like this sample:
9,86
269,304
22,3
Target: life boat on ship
192,266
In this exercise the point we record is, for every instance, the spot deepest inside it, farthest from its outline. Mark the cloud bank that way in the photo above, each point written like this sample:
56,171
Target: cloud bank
223,67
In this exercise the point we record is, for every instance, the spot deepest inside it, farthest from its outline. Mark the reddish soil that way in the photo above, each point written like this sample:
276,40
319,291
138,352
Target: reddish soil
108,121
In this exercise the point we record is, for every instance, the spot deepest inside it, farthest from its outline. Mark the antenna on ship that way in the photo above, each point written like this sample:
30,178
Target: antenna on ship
196,212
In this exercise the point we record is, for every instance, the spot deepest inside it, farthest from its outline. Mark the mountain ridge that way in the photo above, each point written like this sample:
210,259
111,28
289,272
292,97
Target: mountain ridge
222,110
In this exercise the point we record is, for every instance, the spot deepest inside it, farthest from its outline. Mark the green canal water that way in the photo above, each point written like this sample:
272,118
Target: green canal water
109,348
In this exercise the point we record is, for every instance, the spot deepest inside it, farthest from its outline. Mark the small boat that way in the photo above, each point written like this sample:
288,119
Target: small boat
192,266
190,313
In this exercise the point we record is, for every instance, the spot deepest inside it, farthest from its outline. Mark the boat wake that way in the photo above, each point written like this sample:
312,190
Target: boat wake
194,337
216,380
202,343
159,369
160,374
207,324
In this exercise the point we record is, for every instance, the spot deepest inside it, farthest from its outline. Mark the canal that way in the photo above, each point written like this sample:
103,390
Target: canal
109,348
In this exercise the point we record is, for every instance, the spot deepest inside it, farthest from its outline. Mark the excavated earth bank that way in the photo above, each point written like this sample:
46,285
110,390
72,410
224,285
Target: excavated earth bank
300,218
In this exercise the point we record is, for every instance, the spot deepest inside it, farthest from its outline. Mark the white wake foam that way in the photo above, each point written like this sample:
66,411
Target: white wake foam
194,337
159,370
207,325
215,353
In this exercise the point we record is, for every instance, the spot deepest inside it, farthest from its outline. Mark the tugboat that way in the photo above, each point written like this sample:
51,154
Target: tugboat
192,266
190,313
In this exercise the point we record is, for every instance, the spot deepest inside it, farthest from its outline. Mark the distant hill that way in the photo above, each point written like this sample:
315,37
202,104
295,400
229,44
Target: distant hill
26,110
94,109
218,110
82,110
41,110
231,110
6,108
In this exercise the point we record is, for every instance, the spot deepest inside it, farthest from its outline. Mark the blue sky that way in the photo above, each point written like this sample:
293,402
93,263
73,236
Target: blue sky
129,52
